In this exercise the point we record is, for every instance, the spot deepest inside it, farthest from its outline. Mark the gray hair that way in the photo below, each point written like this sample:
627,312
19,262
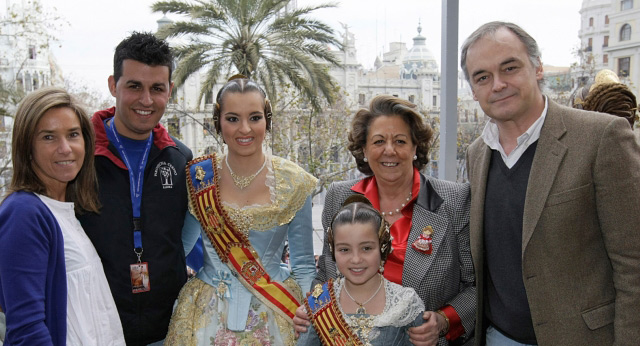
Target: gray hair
490,29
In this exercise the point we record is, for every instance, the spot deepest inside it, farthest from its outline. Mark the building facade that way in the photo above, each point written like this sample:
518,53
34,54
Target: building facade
610,38
26,64
412,74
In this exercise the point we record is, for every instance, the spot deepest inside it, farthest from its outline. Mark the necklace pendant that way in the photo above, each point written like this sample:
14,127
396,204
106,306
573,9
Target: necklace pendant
361,310
240,181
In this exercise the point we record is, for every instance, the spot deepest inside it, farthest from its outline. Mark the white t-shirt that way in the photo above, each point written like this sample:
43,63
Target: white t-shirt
92,317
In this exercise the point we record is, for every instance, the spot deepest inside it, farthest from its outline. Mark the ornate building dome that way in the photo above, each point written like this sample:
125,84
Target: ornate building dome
419,61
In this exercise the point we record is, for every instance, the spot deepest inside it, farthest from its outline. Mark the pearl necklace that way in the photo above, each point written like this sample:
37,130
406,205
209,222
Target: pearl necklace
361,310
390,213
240,181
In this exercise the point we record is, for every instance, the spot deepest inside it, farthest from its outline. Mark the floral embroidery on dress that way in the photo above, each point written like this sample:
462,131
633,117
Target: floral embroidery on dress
255,334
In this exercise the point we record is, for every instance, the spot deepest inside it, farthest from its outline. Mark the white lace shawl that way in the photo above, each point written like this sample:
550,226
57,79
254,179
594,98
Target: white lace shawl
402,305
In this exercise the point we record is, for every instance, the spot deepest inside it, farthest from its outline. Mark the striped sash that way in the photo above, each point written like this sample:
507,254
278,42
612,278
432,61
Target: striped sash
231,245
327,318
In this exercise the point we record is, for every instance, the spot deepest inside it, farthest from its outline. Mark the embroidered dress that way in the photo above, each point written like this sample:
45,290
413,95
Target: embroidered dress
403,309
92,317
215,308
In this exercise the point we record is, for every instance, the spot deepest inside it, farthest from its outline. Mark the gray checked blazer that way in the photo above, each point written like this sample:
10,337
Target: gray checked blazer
445,277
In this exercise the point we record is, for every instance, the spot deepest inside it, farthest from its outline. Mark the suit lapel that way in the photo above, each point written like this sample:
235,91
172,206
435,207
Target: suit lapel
546,161
478,180
426,212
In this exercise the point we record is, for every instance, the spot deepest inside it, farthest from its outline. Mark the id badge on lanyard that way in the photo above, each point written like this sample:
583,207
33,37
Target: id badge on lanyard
139,271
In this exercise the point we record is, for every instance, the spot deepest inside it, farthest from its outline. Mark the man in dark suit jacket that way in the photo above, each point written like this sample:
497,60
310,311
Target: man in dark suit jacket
554,211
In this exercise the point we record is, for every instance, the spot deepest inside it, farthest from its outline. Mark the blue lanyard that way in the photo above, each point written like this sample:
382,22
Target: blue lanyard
135,186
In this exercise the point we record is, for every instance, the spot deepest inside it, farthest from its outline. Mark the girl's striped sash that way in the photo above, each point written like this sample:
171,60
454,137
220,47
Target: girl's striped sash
327,318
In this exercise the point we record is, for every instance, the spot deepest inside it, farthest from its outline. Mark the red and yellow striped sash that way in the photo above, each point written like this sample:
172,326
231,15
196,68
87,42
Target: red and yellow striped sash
231,245
327,318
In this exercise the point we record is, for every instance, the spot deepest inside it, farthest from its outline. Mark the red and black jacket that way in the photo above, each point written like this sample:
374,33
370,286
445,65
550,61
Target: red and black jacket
145,316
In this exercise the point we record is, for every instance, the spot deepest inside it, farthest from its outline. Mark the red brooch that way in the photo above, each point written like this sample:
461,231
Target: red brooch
424,242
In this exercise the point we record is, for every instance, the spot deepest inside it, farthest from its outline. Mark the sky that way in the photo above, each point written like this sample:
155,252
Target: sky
86,43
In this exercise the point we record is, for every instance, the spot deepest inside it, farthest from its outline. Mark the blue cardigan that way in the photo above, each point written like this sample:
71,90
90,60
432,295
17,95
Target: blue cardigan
33,282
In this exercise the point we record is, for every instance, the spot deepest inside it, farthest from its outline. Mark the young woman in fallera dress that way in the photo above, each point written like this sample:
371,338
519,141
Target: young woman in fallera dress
245,204
366,308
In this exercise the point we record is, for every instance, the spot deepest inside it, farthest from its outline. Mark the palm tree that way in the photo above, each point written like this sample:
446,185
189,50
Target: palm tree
260,39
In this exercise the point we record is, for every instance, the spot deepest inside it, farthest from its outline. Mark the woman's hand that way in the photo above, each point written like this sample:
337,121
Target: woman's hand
428,333
301,320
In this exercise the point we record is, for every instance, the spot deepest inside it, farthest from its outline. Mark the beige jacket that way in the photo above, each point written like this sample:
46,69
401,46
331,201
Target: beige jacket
581,230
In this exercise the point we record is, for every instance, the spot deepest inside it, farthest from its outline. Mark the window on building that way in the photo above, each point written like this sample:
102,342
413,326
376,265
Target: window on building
412,98
335,153
435,100
208,127
606,41
624,66
591,22
208,98
606,20
605,59
626,5
173,125
32,52
20,82
590,44
625,32
361,99
28,82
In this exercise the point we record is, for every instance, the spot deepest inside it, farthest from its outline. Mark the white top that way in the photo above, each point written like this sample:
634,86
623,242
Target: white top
491,137
402,305
92,317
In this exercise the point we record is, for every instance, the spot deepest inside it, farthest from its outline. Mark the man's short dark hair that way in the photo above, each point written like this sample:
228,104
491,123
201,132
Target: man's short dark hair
145,48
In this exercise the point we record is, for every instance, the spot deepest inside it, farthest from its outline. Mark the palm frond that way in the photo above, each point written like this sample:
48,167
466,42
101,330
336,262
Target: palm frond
173,6
257,38
181,28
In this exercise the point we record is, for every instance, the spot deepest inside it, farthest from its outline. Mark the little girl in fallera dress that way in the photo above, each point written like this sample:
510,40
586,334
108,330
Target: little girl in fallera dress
362,307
